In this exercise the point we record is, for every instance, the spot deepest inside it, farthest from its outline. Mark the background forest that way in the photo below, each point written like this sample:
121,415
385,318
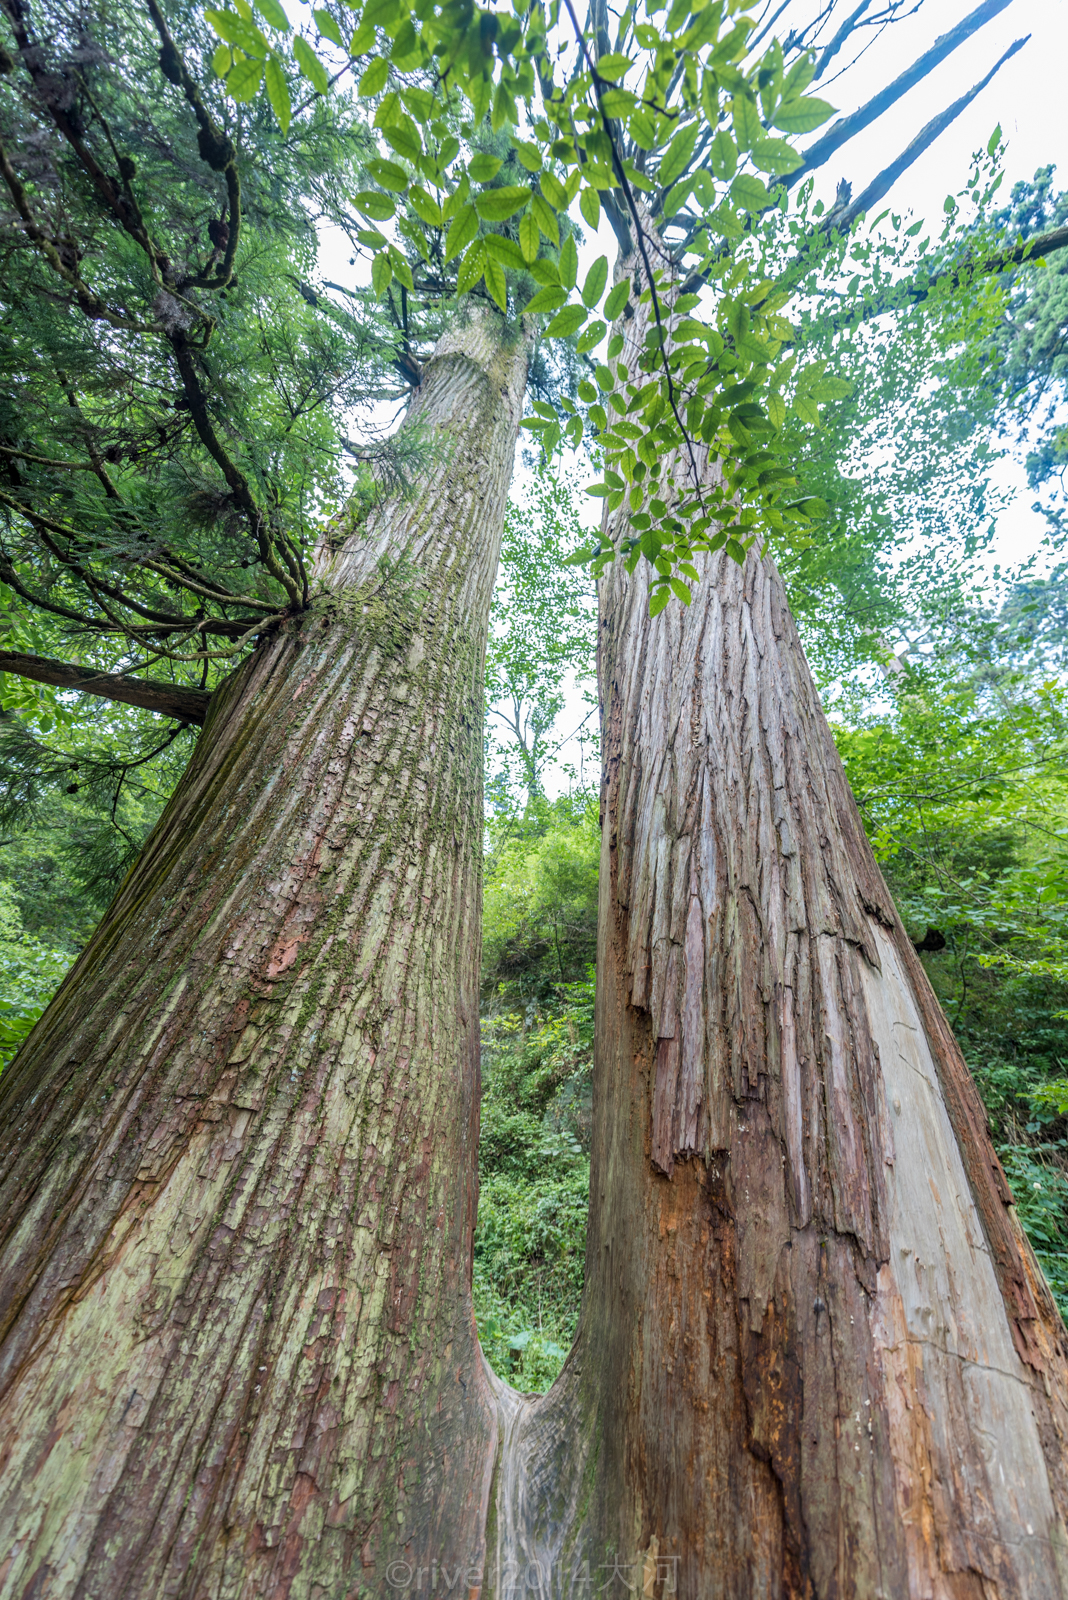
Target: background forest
945,679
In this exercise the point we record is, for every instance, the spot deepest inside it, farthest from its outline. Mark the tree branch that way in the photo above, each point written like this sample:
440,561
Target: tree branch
847,128
1044,244
927,135
169,699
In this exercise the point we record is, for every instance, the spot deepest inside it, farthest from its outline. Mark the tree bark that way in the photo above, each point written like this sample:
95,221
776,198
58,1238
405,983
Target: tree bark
816,1357
169,699
239,1177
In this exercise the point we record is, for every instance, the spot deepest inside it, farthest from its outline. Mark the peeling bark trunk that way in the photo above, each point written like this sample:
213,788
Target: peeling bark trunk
239,1176
816,1356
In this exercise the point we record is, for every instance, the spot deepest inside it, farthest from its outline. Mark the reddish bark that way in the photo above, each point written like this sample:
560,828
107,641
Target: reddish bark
816,1357
239,1175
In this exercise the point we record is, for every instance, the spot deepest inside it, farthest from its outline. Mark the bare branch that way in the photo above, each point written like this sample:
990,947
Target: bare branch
927,135
169,699
847,128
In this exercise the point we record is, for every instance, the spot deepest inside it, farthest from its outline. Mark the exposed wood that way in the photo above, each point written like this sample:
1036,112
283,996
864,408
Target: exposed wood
169,699
238,1171
815,1355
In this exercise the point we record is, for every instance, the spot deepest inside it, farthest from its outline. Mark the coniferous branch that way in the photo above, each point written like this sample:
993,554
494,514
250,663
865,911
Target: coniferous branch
171,700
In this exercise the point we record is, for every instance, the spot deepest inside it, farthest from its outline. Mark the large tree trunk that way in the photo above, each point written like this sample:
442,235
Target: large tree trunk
816,1356
239,1151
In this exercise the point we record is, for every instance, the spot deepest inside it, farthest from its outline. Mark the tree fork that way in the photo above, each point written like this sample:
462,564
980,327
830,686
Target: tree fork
239,1177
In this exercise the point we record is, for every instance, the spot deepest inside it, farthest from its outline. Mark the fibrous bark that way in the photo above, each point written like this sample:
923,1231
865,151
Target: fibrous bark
239,1150
816,1356
169,699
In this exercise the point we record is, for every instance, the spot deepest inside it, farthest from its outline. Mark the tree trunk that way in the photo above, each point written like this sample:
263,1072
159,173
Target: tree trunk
816,1356
239,1176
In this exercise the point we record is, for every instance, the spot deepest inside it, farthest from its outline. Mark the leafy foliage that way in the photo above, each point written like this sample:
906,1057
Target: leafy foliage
539,941
666,129
173,392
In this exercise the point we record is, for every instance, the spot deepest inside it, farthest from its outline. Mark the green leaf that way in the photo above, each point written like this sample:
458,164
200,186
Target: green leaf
310,65
381,272
749,193
658,600
545,271
546,219
776,410
401,270
362,40
470,268
424,205
461,232
802,115
420,103
222,60
504,108
569,262
278,93
550,299
496,205
374,77
831,389
529,235
403,137
506,251
746,119
618,102
723,156
617,299
529,155
680,590
590,206
677,156
273,14
495,279
407,49
328,28
483,167
799,76
591,335
807,410
371,238
377,206
554,191
775,155
388,174
613,66
596,278
235,30
566,322
243,79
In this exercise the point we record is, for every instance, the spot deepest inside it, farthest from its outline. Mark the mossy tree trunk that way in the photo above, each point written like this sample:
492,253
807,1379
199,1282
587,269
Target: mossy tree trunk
239,1172
816,1357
